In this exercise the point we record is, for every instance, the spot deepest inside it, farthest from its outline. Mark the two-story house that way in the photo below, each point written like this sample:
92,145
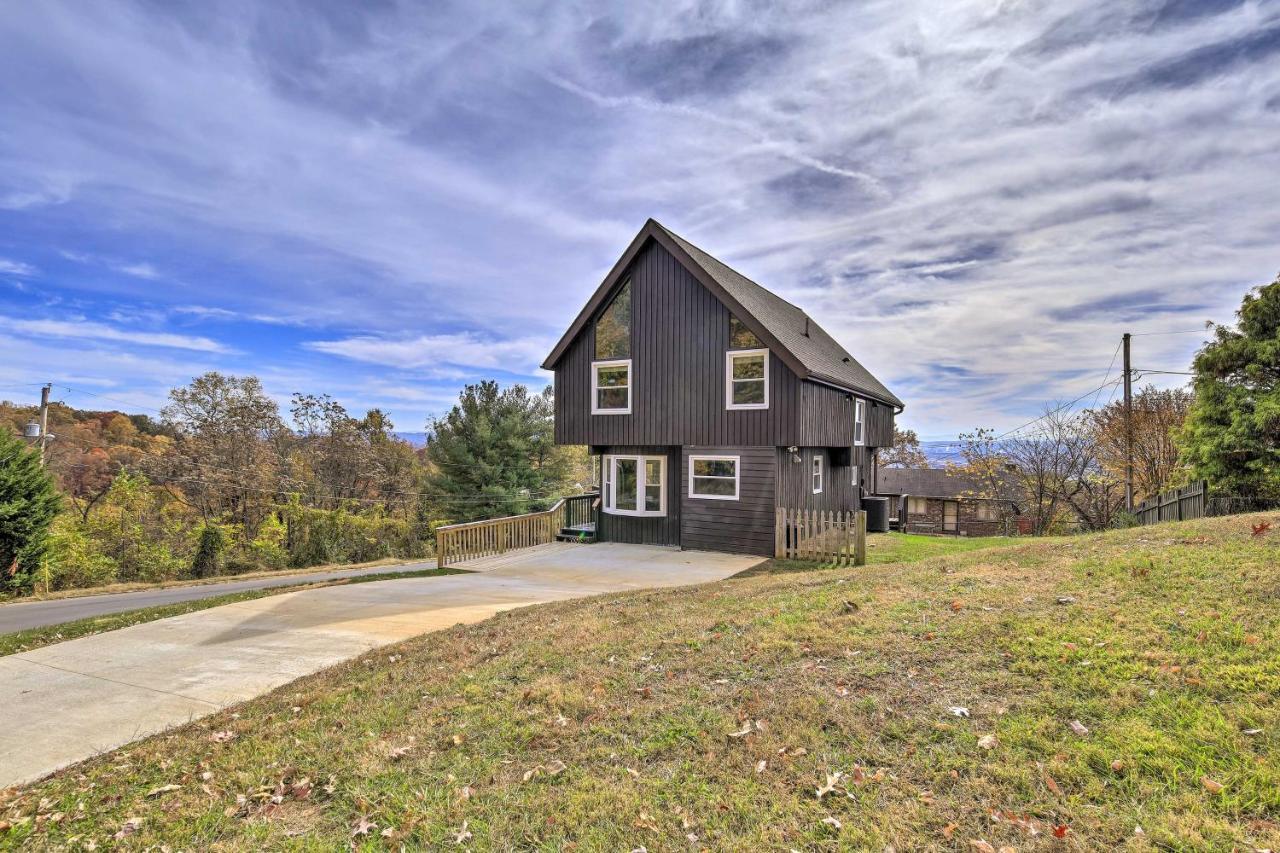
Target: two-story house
711,402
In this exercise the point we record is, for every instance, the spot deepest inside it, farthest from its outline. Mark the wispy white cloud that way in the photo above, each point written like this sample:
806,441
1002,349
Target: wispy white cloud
89,330
8,267
520,356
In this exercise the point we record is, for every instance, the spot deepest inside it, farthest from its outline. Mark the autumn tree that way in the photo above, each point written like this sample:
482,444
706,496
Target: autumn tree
1157,420
226,457
1232,432
905,452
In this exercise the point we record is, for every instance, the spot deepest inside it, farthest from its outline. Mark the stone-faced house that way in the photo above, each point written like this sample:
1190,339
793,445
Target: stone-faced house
710,402
937,500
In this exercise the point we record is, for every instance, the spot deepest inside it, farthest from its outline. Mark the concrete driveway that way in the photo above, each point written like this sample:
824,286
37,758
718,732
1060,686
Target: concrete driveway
67,702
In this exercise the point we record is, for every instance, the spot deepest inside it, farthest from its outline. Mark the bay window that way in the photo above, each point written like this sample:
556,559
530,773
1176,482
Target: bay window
635,485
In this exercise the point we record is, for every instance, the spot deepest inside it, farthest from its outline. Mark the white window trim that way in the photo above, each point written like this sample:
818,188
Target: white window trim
854,476
728,378
595,386
611,484
815,473
859,422
737,477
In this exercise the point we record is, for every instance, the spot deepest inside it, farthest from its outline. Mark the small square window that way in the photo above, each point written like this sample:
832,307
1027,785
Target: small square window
713,477
611,387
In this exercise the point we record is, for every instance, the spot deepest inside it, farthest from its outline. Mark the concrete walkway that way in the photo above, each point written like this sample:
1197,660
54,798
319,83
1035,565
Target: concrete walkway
21,615
67,702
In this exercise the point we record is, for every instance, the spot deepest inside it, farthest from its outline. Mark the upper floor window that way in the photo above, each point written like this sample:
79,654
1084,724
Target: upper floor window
859,421
611,387
747,379
613,327
740,337
817,473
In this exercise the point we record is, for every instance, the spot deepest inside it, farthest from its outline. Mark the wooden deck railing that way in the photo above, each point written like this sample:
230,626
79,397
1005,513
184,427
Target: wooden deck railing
488,538
827,537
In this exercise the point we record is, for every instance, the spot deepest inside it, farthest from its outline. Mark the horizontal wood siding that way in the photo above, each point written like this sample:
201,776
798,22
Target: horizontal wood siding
645,530
744,526
679,337
795,484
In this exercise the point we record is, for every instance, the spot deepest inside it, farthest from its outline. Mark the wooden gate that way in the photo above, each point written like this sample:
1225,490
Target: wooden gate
825,537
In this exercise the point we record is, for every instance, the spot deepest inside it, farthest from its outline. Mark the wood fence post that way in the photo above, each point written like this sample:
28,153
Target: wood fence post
860,543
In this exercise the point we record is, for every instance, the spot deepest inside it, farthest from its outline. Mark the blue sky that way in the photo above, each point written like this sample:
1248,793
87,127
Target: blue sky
383,200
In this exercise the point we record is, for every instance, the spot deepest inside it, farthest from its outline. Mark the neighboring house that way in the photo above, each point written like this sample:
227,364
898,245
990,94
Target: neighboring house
937,500
711,402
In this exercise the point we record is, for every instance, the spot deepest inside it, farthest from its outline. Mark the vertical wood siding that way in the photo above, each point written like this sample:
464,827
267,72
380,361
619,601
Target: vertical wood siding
795,483
640,529
679,336
743,526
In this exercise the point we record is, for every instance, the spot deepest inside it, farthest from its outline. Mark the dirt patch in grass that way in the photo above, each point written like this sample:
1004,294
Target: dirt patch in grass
1116,690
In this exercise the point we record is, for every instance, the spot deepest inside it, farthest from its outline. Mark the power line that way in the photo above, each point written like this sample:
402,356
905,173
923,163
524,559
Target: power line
1057,409
1175,332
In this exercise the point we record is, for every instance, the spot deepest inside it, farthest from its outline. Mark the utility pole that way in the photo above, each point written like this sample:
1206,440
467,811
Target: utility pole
44,417
1128,427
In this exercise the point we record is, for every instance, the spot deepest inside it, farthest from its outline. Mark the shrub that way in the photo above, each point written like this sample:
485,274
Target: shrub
208,559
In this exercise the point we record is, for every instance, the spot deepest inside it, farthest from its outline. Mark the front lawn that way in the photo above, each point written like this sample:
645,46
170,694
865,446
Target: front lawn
1097,692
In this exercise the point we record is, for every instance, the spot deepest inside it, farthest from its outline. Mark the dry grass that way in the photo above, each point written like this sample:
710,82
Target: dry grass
709,718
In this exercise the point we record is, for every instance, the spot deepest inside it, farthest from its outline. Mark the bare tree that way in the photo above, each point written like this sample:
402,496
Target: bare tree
905,452
1157,418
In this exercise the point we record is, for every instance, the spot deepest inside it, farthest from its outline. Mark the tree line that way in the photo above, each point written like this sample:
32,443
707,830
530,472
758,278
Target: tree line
223,481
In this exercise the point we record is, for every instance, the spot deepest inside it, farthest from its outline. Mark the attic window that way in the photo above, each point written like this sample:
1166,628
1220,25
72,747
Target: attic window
613,328
740,337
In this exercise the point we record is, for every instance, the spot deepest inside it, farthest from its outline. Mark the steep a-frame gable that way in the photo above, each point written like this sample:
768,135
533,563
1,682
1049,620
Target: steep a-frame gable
785,329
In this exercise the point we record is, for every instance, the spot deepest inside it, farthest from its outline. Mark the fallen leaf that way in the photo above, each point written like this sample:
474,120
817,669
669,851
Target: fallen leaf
958,711
957,606
222,737
988,742
1052,785
832,822
979,844
1211,785
163,789
761,766
129,827
1117,765
1251,639
1061,830
949,830
463,835
1252,731
1079,728
832,780
1067,599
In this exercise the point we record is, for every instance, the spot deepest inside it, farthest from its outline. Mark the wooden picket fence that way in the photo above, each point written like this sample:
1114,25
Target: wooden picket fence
491,537
1175,504
825,537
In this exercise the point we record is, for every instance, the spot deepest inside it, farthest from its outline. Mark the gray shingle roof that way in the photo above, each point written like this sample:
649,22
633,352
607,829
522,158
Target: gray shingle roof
935,483
821,355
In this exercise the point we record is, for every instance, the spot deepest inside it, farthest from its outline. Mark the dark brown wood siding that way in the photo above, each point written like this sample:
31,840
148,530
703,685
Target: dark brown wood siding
644,530
743,526
826,418
795,480
679,336
879,424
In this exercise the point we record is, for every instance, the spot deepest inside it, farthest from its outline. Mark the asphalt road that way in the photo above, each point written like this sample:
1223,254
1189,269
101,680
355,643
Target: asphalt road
22,615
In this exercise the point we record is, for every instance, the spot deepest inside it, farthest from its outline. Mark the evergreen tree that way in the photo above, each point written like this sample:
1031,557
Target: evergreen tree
1232,434
28,504
494,454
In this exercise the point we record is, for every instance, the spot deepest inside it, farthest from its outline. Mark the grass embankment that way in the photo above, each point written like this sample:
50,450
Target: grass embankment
1118,690
34,638
891,548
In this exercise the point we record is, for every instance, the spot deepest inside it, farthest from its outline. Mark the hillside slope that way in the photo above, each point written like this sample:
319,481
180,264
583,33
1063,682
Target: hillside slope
1118,690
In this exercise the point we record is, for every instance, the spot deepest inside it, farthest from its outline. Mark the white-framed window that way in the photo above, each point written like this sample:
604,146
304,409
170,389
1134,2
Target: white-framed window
611,387
714,478
854,481
817,473
917,506
859,422
746,379
984,511
635,485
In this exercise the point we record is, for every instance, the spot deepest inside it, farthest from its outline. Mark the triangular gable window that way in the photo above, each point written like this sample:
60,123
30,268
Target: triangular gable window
613,329
740,337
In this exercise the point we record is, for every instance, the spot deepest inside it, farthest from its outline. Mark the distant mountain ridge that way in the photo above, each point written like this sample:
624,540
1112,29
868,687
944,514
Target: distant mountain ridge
417,439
